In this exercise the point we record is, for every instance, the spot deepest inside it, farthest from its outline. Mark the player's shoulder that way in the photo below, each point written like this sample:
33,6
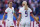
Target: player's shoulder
7,8
29,8
13,7
21,8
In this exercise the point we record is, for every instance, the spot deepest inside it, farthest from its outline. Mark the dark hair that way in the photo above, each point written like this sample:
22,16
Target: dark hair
8,2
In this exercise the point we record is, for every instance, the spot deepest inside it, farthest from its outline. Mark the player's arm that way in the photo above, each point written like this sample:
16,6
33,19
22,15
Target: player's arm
34,18
15,15
19,17
18,20
3,18
6,11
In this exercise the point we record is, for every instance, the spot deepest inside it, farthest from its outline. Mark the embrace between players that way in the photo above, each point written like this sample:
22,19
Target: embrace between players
24,15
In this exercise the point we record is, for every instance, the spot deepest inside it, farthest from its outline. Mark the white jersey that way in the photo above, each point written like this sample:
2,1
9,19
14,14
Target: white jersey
10,12
25,14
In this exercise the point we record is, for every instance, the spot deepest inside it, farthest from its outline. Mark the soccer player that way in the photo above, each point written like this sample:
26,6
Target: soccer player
10,12
24,15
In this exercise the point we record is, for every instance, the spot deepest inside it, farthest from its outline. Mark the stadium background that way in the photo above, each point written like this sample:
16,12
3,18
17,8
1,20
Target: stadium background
33,4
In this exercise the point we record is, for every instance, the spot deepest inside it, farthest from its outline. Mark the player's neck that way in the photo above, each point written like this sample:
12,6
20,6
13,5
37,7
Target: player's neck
26,8
10,7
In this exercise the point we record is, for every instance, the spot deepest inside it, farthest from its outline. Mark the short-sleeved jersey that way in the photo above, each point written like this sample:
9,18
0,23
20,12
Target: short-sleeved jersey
9,12
25,13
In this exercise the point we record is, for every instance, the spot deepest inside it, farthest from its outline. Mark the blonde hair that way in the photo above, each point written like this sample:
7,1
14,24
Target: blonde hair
24,2
26,6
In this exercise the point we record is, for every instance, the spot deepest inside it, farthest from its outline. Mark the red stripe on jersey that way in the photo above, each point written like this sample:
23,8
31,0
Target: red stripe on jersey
19,12
5,12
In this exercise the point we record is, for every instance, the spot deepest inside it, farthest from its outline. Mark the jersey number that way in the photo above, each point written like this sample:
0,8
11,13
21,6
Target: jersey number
26,14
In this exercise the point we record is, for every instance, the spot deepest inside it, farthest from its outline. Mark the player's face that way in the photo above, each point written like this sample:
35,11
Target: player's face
10,4
24,3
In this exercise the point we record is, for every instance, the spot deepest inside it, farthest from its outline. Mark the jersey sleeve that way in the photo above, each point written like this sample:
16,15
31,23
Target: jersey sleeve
30,11
6,11
20,11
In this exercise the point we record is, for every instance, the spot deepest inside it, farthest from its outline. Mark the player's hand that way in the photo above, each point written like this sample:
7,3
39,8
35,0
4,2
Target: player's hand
3,22
17,23
37,18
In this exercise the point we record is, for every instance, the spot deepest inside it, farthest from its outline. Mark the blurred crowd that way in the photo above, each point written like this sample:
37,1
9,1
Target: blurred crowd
33,4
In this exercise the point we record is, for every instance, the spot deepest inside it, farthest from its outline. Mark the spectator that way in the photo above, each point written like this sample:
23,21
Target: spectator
0,10
33,7
38,9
